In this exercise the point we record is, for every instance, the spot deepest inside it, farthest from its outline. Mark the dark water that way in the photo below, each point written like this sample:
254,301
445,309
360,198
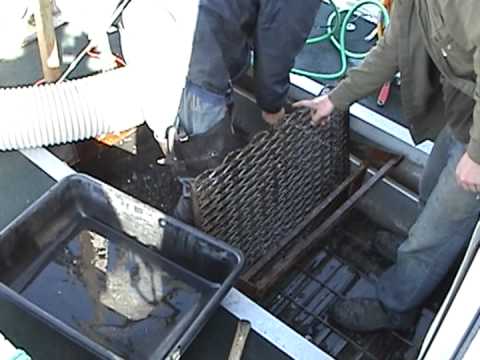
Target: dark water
120,297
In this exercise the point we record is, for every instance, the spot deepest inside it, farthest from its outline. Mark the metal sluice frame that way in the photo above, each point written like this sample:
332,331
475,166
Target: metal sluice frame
276,198
270,270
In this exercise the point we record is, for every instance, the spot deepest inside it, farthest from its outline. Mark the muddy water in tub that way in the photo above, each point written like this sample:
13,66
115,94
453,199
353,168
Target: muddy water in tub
117,297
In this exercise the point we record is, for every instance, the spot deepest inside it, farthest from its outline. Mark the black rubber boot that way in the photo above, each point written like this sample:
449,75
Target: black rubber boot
367,315
386,244
192,155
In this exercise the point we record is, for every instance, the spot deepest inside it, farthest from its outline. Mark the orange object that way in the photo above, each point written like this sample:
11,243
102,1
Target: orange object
115,138
381,27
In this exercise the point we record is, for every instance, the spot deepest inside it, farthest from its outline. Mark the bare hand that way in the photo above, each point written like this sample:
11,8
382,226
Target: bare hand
320,107
468,174
273,118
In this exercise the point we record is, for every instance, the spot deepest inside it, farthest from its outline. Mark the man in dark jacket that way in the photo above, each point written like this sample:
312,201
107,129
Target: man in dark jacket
227,33
436,46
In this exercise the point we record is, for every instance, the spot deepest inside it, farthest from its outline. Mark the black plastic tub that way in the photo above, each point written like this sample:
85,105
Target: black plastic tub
115,275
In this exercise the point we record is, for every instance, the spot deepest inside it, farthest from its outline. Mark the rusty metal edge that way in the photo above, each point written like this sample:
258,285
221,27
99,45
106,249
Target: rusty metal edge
276,271
344,186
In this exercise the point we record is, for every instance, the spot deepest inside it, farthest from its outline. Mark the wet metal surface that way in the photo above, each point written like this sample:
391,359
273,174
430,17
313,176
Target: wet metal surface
343,266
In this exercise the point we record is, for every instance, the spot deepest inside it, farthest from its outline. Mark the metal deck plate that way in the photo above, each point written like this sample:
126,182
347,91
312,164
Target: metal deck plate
342,267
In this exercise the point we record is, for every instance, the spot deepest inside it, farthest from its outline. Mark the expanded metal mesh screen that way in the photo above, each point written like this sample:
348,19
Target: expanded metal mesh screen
262,192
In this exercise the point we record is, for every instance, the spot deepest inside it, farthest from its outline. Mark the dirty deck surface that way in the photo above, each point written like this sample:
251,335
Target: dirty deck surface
344,265
133,167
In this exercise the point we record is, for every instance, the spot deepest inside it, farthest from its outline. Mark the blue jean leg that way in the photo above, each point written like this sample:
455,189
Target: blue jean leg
436,162
201,109
442,230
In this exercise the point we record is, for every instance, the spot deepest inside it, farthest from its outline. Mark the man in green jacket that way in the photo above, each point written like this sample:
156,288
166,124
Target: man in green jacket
435,44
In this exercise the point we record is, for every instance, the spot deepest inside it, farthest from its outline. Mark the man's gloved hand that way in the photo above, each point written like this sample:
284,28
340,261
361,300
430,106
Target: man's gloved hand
321,108
468,174
273,118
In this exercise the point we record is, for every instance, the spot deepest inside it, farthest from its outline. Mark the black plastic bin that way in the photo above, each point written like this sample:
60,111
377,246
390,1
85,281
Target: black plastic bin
118,277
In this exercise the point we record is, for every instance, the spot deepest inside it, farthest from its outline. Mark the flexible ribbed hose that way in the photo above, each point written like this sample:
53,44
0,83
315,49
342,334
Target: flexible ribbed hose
70,111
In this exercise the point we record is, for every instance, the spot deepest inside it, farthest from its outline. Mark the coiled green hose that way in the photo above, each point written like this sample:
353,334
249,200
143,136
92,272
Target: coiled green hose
333,24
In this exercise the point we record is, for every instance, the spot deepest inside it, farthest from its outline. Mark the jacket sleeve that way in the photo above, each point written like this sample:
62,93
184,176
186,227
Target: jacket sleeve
473,147
281,30
469,20
380,65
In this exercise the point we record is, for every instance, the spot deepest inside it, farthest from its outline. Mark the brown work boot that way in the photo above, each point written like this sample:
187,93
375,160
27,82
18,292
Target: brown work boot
367,315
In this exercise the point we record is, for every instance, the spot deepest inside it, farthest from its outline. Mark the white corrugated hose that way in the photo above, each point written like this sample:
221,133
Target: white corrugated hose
71,111
147,89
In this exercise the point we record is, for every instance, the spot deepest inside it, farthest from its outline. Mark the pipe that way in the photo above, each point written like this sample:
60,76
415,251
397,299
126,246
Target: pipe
71,111
111,101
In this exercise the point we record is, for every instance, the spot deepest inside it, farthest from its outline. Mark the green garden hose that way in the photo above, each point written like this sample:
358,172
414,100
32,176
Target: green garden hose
333,24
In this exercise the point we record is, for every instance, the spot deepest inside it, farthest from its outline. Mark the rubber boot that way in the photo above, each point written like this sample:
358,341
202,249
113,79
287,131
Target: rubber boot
366,315
192,155
195,154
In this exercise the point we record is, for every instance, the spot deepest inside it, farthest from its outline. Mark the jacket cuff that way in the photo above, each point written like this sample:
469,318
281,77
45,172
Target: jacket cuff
270,107
341,97
473,150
